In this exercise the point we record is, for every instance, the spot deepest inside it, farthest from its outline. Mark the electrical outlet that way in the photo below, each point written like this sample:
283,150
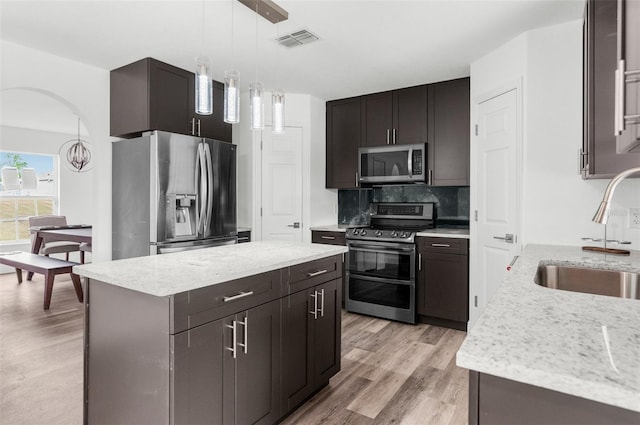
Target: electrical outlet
634,218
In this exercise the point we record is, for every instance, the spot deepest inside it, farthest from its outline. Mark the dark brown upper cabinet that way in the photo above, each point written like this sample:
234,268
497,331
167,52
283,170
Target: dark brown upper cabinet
395,117
152,95
599,157
449,133
628,140
436,114
343,141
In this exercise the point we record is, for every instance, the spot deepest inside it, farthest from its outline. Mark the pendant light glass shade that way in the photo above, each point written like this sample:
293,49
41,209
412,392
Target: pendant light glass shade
277,111
204,86
231,97
257,107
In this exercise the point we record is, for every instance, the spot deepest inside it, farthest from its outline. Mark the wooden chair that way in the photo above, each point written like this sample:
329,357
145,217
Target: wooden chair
57,247
84,247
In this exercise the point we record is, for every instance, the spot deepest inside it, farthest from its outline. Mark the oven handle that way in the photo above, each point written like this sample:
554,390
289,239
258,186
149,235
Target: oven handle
381,279
383,248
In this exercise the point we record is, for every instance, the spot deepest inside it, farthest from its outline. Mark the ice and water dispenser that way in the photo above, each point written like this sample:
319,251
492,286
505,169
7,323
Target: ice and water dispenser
182,215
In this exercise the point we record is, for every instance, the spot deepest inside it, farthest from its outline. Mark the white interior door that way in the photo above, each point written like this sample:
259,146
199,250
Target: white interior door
282,185
497,194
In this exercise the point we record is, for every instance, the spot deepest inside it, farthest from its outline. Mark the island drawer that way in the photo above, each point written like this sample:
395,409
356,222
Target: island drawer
329,238
306,275
443,245
200,306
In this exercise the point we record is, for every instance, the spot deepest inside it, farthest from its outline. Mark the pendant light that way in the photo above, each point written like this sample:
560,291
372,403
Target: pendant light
232,86
204,80
255,92
277,96
76,154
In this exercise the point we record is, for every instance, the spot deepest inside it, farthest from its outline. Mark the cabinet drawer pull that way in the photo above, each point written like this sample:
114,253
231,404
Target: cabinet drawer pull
318,273
441,245
328,237
235,297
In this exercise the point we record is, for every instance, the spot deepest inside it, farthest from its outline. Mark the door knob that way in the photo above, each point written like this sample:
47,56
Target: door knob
295,225
508,238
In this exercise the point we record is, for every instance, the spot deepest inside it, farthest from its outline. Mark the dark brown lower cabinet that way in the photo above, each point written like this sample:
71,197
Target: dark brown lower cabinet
442,289
332,238
228,353
215,385
494,400
310,341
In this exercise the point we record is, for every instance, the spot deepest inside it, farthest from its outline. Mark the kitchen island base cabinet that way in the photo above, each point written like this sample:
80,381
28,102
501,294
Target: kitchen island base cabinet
310,341
217,384
212,354
494,400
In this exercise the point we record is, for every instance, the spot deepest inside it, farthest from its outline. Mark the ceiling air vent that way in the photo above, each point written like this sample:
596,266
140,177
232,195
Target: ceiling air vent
297,38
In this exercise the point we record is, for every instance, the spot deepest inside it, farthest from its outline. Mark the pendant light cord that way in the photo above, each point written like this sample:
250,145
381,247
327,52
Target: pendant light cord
232,44
202,45
256,58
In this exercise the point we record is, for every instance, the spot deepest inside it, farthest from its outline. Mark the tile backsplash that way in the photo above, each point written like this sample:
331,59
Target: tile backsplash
452,203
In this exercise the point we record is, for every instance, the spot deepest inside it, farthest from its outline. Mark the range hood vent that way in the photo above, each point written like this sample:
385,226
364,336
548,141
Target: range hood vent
297,38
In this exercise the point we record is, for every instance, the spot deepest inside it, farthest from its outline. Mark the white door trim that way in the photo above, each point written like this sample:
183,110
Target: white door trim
474,282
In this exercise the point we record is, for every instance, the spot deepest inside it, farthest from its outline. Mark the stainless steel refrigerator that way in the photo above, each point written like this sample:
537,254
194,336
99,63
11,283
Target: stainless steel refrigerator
172,192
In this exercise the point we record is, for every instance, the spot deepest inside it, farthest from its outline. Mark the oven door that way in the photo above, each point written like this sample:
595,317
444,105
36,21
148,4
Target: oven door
381,280
389,261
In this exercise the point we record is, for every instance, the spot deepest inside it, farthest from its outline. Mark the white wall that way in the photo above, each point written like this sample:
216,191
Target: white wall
558,203
85,90
319,204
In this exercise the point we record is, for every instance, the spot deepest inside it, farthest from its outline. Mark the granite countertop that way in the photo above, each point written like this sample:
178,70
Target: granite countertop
332,228
437,232
555,339
446,232
169,274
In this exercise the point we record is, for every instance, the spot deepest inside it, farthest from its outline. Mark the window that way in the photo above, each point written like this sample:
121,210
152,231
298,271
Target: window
29,188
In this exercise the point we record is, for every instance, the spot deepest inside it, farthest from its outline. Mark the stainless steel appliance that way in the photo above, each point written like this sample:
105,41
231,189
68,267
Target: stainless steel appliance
381,263
393,164
172,192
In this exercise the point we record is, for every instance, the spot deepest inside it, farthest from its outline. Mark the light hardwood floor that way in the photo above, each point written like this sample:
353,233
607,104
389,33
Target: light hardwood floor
392,373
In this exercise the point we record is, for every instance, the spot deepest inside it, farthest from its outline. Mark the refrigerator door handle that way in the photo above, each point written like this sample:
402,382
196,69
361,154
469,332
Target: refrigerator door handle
201,187
196,184
209,212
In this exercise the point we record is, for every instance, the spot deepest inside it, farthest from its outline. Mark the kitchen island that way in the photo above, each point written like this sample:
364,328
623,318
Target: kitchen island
233,334
534,346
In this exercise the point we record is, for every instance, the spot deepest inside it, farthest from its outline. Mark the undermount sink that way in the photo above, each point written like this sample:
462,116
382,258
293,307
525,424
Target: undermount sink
613,283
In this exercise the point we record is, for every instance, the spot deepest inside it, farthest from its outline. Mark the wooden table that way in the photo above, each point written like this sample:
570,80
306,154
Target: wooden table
59,233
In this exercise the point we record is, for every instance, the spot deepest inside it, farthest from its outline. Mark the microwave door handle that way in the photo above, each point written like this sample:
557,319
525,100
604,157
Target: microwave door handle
410,162
209,212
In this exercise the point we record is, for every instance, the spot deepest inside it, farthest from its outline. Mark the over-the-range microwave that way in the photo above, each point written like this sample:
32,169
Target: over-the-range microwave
393,164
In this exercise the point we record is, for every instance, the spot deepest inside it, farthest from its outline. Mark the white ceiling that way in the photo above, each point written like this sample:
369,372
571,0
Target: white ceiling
364,47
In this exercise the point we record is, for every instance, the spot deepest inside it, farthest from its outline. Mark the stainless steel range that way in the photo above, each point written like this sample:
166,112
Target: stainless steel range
381,263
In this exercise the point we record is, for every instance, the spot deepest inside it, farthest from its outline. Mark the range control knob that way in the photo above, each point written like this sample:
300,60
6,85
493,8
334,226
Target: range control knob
403,235
363,232
378,233
355,231
394,234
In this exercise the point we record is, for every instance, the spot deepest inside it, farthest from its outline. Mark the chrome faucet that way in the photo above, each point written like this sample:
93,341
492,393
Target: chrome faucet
602,215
